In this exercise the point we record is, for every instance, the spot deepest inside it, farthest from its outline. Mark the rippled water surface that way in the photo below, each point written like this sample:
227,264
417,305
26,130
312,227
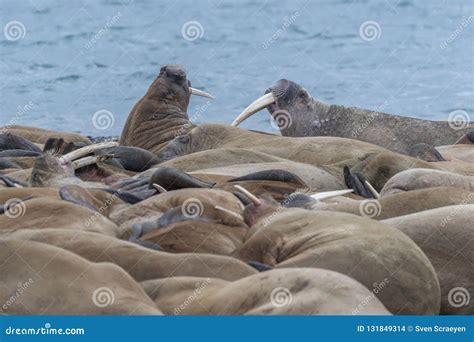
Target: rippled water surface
75,58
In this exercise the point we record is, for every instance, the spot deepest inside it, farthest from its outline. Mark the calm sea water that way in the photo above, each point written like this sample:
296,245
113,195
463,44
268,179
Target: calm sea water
61,62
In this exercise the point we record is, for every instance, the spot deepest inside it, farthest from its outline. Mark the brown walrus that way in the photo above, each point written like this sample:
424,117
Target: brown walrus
298,291
369,251
298,114
46,280
161,114
446,236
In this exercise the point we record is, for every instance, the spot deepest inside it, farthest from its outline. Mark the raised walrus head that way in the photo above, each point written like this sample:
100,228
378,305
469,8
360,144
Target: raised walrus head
288,102
48,168
160,115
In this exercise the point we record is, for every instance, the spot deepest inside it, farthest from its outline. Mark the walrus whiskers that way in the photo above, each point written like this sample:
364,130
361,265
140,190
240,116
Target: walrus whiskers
85,151
230,212
247,193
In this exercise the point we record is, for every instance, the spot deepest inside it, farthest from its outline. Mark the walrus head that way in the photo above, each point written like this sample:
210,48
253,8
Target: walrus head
161,114
288,102
47,166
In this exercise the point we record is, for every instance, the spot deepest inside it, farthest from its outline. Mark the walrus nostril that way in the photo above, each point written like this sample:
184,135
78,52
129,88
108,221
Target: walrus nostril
280,89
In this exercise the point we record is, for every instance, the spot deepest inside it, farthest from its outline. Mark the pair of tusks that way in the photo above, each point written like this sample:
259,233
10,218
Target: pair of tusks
86,161
254,107
83,151
329,194
197,92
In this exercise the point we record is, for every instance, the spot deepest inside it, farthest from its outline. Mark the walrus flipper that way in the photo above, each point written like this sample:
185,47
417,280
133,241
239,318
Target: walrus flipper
425,152
357,182
12,183
173,179
259,266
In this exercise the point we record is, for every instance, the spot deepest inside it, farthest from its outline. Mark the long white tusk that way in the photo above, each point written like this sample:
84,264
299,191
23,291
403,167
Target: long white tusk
328,194
230,212
254,107
372,190
86,150
77,164
250,196
197,92
159,188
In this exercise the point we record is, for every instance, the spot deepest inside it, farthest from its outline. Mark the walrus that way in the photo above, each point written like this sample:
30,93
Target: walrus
46,280
298,114
10,141
414,179
446,235
464,152
161,114
367,250
41,135
299,291
140,262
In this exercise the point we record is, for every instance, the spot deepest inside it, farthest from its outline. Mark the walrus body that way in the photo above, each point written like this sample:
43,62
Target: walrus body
364,249
298,114
446,235
278,292
83,287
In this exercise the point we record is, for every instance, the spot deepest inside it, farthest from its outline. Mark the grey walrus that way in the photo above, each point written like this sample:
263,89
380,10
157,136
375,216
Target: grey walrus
298,114
160,115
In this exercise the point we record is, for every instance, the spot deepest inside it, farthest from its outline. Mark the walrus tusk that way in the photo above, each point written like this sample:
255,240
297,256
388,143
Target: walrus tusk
250,196
372,190
230,212
197,92
86,161
86,150
159,188
254,107
328,194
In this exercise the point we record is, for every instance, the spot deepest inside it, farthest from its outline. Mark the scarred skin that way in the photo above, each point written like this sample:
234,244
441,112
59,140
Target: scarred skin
160,115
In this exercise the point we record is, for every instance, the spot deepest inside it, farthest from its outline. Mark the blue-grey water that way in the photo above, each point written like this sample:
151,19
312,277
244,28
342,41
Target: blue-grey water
70,59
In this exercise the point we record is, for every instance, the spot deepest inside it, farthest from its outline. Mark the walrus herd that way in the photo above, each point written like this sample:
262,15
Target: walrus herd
346,212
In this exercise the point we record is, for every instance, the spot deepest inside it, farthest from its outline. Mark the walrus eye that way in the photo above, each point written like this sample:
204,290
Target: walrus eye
303,95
